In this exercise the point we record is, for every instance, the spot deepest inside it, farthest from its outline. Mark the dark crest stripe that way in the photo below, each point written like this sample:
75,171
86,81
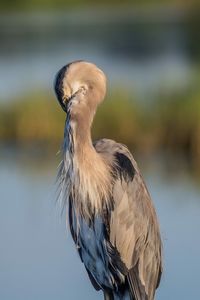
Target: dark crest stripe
58,83
124,166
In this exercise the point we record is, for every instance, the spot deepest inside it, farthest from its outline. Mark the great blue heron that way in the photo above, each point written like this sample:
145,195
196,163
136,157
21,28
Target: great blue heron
111,216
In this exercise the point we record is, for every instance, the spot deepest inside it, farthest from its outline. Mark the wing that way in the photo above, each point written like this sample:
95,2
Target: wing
134,229
102,261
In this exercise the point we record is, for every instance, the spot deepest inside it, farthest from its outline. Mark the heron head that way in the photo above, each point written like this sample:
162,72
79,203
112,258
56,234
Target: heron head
80,86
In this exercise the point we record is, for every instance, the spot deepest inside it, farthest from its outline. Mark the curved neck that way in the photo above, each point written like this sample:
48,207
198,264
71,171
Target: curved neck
77,137
88,174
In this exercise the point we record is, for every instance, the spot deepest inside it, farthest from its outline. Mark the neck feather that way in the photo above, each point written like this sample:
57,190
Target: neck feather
88,172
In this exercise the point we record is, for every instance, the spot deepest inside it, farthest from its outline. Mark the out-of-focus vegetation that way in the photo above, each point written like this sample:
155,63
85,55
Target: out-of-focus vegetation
171,123
156,47
52,4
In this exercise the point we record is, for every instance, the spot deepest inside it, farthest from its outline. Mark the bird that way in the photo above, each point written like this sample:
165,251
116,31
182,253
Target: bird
111,216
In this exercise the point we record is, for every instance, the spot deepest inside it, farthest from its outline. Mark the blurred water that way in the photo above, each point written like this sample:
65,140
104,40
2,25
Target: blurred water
38,259
141,51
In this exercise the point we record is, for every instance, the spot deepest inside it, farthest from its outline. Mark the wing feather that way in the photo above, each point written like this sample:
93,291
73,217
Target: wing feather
134,229
136,288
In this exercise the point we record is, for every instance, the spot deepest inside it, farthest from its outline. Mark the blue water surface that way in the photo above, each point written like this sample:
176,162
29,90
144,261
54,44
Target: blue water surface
38,259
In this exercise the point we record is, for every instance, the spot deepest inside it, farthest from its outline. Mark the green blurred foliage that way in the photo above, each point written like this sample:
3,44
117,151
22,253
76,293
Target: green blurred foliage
170,124
119,118
179,119
20,5
36,120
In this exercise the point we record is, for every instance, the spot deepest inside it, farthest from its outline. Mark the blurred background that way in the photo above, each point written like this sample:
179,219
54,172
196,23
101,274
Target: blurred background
150,52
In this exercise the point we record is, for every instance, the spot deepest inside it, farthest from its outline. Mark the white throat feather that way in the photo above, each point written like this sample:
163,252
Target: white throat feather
84,176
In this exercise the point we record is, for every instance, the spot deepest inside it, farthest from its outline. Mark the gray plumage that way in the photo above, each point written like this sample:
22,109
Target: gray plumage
111,215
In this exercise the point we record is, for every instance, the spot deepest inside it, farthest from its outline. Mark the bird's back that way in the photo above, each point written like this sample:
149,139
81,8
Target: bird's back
133,225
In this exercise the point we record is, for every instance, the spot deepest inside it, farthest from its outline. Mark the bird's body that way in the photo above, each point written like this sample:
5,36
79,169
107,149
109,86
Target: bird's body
111,216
